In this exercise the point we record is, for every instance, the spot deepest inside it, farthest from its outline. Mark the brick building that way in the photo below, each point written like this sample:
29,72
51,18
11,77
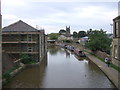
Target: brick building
21,38
116,41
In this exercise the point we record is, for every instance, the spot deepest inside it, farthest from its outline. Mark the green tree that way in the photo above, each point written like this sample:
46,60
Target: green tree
89,32
81,34
62,31
75,35
67,41
98,40
25,58
53,36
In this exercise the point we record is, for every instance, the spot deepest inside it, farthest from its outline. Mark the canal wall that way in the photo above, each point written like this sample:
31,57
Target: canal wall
111,73
7,62
21,68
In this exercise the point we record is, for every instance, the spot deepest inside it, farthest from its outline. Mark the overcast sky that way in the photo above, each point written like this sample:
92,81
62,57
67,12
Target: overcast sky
53,15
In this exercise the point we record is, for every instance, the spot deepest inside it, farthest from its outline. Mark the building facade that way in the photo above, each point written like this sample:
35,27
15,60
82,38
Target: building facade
0,48
116,41
20,38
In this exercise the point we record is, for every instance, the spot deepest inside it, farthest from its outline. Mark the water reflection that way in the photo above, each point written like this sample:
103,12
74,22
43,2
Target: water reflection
53,50
80,58
62,70
67,53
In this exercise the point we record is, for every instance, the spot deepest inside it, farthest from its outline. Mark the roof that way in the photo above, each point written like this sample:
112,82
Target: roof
19,26
116,18
85,37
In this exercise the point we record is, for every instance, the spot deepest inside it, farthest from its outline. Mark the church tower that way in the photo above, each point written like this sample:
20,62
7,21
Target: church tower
67,31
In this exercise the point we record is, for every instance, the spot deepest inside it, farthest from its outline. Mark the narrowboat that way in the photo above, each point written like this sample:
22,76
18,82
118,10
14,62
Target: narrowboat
64,46
79,52
71,48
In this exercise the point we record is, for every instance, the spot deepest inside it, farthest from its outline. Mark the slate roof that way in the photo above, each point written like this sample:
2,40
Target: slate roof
19,26
116,18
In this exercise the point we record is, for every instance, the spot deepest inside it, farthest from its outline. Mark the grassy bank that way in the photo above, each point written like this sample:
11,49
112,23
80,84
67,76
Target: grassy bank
7,75
112,65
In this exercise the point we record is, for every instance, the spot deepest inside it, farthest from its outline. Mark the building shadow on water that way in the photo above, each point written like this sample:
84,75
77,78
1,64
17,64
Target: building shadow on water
53,49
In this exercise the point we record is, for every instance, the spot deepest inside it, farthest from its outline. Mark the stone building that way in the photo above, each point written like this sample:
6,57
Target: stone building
116,41
0,48
0,34
68,31
21,38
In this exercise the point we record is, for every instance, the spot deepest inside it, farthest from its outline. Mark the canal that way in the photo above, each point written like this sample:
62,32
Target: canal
61,69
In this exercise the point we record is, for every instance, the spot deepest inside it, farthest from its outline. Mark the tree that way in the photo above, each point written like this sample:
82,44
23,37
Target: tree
62,31
25,58
67,41
53,36
75,35
81,34
98,40
89,32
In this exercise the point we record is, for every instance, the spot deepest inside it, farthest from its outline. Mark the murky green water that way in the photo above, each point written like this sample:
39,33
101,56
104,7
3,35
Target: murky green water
61,69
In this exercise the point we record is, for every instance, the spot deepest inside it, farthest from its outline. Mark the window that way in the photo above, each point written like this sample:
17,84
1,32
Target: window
115,51
116,29
30,49
22,37
29,37
119,53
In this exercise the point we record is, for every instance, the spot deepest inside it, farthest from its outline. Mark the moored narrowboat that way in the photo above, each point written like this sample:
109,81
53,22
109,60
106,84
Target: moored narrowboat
79,52
71,48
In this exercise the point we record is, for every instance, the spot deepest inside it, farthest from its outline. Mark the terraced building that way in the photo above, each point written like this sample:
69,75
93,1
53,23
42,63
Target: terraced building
21,38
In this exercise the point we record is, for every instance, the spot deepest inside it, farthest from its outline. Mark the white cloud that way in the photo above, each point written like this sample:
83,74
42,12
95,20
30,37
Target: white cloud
13,2
54,16
75,0
9,16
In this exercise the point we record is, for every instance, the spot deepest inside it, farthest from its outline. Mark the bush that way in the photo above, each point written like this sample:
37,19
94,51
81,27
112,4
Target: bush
67,41
6,76
26,59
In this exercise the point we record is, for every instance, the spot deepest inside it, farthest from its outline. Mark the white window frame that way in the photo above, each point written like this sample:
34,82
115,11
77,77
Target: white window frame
29,38
30,49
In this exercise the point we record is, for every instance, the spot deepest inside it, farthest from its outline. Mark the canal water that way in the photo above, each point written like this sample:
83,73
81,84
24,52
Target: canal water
61,69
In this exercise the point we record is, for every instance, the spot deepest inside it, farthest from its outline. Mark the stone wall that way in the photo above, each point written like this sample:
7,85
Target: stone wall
7,63
101,54
116,62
